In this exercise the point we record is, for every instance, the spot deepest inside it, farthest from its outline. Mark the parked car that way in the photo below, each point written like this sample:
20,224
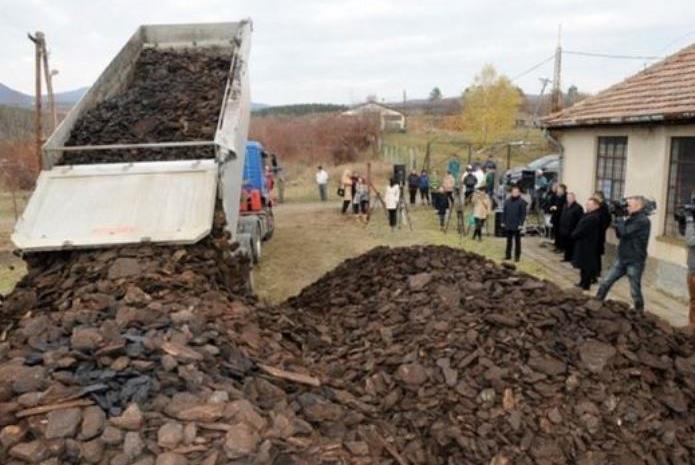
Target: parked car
548,163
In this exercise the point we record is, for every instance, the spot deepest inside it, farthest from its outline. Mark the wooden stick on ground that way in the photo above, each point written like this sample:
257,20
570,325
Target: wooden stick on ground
49,408
290,375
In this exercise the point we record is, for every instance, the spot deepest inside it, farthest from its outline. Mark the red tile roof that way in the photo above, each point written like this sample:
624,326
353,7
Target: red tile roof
664,91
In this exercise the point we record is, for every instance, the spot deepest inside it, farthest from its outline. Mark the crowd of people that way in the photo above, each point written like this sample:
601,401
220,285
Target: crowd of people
578,232
579,235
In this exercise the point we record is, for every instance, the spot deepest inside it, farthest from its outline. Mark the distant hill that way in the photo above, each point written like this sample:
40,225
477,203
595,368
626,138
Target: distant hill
15,98
64,100
299,109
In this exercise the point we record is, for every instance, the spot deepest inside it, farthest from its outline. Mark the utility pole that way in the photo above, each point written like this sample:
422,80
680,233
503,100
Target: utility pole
48,75
405,119
37,38
556,98
41,60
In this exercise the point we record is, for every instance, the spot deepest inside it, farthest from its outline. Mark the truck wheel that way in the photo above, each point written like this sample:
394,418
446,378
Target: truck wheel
256,245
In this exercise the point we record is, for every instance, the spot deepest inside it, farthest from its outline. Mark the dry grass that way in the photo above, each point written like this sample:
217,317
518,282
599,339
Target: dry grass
312,238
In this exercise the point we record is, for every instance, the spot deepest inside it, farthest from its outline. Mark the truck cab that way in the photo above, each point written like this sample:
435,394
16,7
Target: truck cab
256,222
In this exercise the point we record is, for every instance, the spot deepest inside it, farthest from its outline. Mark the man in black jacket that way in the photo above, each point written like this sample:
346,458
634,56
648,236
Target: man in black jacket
513,218
569,219
633,233
585,239
557,203
413,184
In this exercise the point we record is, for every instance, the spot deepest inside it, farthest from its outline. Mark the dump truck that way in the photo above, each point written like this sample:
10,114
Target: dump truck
149,198
256,209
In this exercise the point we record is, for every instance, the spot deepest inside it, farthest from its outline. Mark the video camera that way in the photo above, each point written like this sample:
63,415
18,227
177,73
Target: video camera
682,212
618,208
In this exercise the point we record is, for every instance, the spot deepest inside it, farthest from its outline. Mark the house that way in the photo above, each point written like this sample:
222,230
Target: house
391,120
638,138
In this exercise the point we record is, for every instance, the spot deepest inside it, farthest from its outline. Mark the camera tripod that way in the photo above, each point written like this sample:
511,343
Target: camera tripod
460,217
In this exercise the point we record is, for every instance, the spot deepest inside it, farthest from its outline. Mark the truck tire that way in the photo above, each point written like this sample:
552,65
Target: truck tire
256,245
245,241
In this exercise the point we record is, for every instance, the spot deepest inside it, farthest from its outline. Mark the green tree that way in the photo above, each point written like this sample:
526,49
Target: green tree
490,106
435,95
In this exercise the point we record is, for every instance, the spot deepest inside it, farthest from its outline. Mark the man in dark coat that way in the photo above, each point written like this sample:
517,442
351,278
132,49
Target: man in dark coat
513,218
557,202
605,215
413,184
633,233
586,238
569,218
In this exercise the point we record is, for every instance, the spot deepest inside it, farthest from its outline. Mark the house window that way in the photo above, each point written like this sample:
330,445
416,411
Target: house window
681,179
610,166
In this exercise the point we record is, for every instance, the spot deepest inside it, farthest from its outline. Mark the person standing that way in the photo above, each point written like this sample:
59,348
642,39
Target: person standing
448,183
513,218
441,204
605,215
346,189
391,198
360,201
479,176
490,163
585,240
468,180
633,234
490,181
413,184
424,185
569,219
690,242
322,182
557,203
482,206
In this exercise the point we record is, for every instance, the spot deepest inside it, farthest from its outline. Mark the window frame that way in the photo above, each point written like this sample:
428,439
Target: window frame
609,159
672,186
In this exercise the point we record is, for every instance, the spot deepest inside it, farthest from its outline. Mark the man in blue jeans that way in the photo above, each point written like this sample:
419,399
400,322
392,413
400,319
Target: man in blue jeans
633,233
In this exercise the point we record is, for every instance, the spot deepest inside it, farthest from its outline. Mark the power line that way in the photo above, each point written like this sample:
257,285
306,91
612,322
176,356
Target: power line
532,68
606,55
678,39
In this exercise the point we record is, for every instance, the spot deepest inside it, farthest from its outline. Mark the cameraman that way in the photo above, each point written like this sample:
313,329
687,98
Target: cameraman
633,233
690,242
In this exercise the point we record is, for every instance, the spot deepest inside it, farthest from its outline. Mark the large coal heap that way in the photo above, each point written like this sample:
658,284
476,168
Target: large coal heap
421,355
464,361
172,96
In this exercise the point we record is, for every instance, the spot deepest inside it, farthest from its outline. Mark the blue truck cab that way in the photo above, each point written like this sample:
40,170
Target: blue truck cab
256,206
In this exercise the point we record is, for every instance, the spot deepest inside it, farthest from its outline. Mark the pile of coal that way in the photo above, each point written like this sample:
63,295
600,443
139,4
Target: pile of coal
459,360
172,96
142,355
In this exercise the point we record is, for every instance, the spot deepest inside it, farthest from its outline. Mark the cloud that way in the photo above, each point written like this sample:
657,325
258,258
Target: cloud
341,51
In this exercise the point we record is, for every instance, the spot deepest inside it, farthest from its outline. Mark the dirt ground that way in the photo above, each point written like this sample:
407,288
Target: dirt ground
11,267
312,238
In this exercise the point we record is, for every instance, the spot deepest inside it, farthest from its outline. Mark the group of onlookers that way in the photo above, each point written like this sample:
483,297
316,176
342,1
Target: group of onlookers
354,191
579,234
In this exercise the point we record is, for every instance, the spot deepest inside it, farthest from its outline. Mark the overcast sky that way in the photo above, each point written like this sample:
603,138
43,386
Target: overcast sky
342,51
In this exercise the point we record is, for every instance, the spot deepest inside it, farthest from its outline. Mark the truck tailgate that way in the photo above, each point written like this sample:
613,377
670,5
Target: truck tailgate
100,205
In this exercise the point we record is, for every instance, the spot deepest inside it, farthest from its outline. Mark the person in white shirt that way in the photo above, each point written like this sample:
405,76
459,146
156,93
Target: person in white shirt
391,199
322,181
480,177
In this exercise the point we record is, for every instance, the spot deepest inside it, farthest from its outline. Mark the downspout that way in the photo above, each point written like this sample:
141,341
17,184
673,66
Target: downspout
549,137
